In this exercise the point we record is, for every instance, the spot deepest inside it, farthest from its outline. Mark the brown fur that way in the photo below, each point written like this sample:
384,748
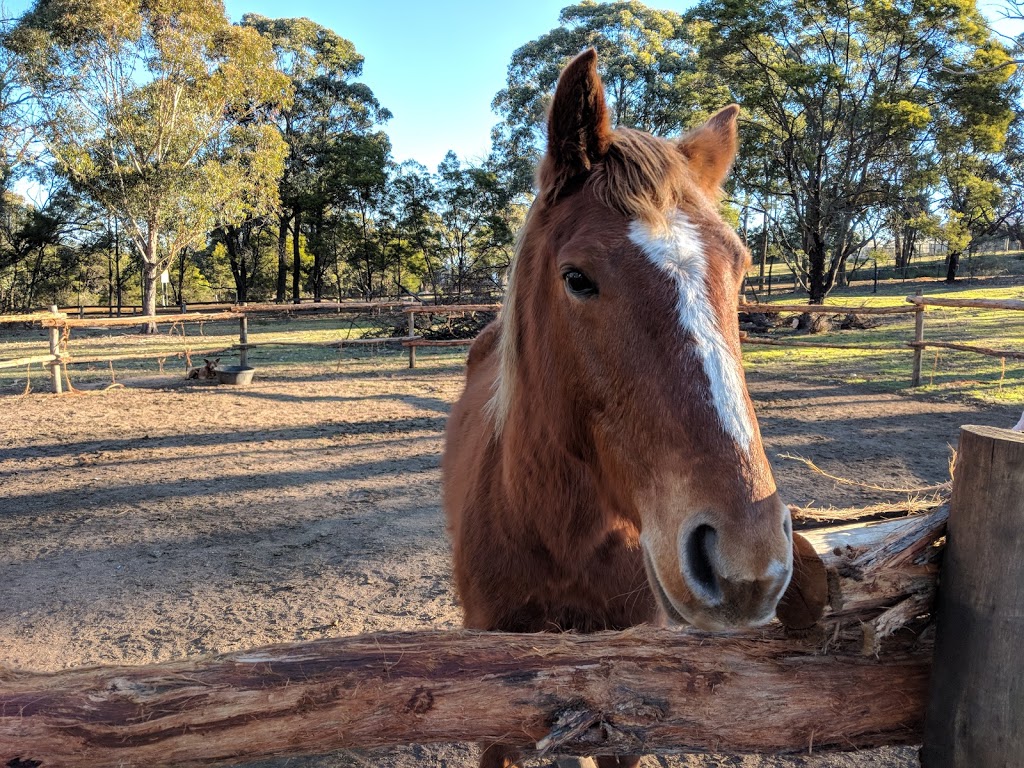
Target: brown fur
585,442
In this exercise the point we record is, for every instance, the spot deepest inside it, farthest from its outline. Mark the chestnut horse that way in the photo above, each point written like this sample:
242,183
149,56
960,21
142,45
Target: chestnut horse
603,466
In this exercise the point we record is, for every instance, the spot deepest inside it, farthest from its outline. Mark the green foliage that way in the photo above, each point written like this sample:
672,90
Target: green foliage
155,110
648,61
846,105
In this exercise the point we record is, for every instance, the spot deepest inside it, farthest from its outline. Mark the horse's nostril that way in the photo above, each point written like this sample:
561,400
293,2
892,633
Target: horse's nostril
699,565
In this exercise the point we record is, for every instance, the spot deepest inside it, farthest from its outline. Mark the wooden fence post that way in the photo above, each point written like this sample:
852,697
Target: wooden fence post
243,340
915,378
55,366
976,700
412,332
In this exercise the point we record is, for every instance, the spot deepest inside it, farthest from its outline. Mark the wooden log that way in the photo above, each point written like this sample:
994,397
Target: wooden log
644,690
932,301
243,341
419,342
411,333
20,361
452,309
30,317
968,348
823,309
324,306
56,379
143,354
746,339
915,371
976,705
113,322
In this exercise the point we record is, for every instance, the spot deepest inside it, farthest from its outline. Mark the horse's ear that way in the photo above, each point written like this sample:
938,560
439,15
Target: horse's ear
711,149
579,126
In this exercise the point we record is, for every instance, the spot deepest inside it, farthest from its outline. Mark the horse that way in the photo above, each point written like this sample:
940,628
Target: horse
603,466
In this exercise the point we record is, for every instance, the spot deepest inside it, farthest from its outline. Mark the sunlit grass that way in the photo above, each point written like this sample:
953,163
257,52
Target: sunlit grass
945,373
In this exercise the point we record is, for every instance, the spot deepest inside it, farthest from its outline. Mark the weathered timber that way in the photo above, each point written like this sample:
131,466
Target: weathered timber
20,361
323,306
931,301
824,309
337,343
967,348
56,371
915,371
976,704
644,690
744,338
144,353
452,309
421,342
31,317
113,322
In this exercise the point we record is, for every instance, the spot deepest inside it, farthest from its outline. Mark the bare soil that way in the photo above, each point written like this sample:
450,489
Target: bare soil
141,525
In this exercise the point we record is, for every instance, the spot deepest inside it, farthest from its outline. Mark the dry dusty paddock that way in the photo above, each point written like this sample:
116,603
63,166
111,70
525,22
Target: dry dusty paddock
142,525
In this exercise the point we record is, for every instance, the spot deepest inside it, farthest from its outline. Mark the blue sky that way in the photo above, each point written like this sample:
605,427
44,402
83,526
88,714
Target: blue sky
435,65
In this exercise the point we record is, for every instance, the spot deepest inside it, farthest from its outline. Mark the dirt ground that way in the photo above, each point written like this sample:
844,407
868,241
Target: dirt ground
141,525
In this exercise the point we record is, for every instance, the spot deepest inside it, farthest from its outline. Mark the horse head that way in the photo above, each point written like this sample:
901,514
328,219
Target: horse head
622,310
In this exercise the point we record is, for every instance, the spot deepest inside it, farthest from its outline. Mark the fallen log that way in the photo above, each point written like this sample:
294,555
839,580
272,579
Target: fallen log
644,690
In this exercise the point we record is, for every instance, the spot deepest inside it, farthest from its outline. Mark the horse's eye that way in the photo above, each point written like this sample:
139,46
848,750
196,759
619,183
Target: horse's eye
579,284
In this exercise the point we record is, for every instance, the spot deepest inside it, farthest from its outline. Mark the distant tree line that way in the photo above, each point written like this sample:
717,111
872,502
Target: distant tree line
248,162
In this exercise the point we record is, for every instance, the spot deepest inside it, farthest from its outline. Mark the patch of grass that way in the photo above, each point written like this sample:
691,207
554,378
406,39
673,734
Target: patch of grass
945,373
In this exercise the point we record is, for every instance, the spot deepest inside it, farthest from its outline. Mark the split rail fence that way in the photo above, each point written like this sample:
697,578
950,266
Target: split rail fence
59,323
861,672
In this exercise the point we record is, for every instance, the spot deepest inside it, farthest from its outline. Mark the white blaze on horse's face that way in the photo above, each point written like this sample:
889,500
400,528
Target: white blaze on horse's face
676,249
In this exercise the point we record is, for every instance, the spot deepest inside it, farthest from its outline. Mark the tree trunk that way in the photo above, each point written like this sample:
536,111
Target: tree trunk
296,258
150,286
952,265
318,256
236,259
282,259
817,275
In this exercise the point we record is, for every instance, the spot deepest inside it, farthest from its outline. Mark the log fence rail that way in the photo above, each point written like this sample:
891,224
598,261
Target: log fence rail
57,320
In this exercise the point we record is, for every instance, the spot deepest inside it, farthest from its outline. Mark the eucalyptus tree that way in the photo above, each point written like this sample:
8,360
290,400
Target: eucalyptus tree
330,108
134,98
649,65
838,96
477,216
977,150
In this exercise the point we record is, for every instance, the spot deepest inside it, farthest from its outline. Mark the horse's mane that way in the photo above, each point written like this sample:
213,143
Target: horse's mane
641,177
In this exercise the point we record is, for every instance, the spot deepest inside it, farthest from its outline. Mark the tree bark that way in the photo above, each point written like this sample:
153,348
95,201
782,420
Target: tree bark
952,265
282,259
150,283
296,258
644,690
